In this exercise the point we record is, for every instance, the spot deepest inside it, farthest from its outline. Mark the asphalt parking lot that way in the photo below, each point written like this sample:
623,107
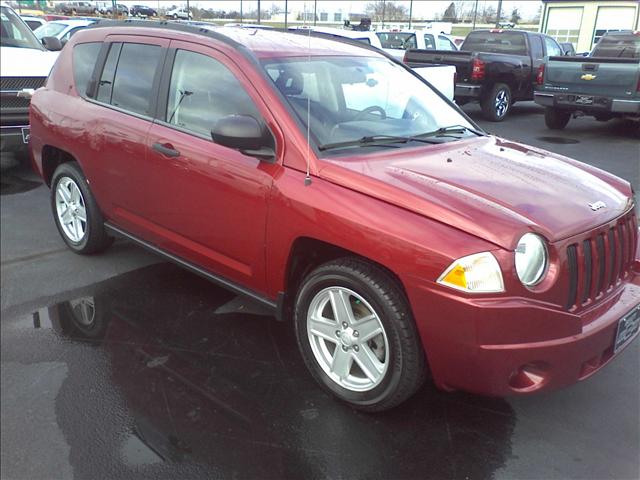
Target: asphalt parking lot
180,379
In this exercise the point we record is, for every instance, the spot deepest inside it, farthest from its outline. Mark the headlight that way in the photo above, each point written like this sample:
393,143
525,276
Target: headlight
477,273
531,259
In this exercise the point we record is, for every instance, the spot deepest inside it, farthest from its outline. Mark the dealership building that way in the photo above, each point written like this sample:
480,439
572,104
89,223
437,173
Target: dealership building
583,23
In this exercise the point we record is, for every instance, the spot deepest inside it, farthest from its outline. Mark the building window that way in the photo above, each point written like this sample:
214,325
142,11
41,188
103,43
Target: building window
564,35
337,17
324,16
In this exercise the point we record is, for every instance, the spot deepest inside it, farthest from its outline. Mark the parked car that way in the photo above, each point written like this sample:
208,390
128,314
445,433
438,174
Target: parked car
397,42
142,11
604,85
24,67
121,10
33,22
179,14
495,67
103,7
77,8
63,30
442,77
386,226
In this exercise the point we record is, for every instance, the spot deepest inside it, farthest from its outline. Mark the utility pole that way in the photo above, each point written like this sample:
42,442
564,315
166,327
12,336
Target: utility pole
258,12
286,12
384,8
188,11
114,9
475,15
410,13
240,11
315,12
498,15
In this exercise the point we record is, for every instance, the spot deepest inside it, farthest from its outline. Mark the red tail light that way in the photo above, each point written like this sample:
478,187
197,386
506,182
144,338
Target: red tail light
540,75
477,69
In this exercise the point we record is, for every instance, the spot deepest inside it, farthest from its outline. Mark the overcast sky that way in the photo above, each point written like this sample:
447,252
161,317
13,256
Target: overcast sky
421,8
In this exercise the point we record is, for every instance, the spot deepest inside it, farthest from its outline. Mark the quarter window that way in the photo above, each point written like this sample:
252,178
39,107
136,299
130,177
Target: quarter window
553,49
445,44
429,42
202,91
134,75
84,60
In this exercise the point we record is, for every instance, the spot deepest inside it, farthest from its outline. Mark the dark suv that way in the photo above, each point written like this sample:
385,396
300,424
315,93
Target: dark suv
142,11
382,222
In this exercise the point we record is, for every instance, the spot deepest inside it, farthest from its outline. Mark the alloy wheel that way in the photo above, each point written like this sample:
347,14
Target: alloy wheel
71,209
348,339
502,103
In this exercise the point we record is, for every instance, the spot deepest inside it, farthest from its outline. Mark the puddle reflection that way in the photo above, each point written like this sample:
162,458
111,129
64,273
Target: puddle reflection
211,387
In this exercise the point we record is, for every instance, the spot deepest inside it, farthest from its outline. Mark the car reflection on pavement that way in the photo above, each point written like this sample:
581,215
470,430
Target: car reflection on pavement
169,375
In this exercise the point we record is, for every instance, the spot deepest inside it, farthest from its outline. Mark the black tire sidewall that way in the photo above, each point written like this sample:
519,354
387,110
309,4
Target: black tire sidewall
556,119
311,287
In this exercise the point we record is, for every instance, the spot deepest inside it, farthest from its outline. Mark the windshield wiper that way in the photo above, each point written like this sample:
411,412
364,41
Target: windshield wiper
451,129
375,141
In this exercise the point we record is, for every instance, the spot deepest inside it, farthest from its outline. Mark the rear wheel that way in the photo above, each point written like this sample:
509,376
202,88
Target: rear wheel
556,119
76,213
357,335
497,103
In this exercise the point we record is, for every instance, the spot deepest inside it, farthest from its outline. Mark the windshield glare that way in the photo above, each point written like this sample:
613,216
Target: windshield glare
15,33
355,97
51,29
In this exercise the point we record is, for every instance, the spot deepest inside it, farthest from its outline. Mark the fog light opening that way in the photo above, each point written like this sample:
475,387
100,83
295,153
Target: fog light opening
528,377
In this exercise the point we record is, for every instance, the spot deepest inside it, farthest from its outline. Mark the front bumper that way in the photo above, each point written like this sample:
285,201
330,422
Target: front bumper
14,138
461,336
602,104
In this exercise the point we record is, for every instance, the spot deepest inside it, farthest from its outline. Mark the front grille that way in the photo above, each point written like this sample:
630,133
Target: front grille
7,102
18,83
598,262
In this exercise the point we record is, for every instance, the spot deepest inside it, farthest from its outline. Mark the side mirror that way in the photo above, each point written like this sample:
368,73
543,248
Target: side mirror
246,134
52,43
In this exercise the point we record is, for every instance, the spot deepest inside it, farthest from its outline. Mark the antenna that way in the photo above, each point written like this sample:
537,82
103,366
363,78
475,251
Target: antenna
307,179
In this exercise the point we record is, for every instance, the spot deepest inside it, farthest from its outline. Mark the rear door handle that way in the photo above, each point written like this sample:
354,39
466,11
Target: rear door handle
167,150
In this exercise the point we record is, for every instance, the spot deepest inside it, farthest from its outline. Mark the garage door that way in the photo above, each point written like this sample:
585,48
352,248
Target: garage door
563,24
613,18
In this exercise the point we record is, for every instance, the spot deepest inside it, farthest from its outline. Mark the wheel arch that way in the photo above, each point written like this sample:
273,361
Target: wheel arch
52,158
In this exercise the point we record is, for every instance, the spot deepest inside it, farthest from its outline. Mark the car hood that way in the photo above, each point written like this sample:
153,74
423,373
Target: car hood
489,187
26,62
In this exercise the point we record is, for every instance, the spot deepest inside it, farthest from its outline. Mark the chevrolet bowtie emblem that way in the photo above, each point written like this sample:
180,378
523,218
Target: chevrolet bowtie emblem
597,205
588,76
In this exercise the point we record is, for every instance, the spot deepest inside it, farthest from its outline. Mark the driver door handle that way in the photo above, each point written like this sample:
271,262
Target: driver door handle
166,149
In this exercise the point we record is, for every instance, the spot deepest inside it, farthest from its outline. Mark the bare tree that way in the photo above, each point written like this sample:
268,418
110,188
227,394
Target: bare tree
515,16
390,10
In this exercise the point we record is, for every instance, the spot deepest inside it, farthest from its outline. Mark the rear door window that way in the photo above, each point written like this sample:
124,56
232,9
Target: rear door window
84,61
553,49
133,80
429,42
445,44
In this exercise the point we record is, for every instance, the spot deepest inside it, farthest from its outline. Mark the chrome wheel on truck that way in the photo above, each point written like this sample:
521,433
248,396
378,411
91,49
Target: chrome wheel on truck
357,335
496,104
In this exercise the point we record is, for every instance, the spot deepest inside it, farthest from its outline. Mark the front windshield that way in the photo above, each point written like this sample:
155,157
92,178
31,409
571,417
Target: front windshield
397,40
14,32
355,97
51,29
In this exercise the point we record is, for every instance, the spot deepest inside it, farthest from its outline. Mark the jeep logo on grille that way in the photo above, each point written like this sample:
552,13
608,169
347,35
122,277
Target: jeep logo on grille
597,205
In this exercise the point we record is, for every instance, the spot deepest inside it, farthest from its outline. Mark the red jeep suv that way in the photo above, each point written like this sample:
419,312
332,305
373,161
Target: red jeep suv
331,183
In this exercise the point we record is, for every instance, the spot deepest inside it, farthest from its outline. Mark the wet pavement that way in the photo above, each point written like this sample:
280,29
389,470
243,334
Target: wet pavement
118,366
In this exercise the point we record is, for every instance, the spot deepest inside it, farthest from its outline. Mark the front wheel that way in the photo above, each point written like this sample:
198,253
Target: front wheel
497,103
357,335
76,212
556,119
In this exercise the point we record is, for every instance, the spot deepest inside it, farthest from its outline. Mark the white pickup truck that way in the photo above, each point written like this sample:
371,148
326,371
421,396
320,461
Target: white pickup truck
24,67
442,77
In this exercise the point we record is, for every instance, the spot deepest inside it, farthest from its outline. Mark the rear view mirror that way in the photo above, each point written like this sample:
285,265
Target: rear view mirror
246,134
52,43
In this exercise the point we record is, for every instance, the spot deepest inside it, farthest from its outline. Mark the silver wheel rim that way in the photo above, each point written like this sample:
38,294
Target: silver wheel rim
71,210
84,310
348,339
502,102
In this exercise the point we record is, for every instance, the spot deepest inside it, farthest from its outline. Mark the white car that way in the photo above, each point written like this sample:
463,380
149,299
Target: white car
179,14
33,22
63,30
24,67
442,77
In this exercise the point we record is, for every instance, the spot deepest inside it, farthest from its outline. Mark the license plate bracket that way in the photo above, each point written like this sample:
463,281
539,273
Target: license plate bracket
26,133
628,327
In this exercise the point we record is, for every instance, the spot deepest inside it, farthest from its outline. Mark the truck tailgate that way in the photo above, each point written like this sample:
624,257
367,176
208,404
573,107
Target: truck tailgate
460,60
615,76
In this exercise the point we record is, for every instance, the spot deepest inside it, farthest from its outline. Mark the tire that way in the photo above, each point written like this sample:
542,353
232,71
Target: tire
496,105
93,237
556,119
175,16
389,334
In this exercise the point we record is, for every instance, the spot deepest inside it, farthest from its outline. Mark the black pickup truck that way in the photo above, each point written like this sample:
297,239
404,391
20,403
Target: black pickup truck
495,67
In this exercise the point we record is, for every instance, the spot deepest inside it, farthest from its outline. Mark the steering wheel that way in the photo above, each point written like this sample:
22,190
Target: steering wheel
372,109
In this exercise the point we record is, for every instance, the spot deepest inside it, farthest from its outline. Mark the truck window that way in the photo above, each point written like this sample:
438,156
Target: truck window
429,42
397,40
496,42
553,49
445,44
537,52
195,102
84,60
620,46
14,32
133,80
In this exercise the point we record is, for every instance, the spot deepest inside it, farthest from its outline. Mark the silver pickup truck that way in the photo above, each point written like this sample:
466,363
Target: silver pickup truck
606,84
